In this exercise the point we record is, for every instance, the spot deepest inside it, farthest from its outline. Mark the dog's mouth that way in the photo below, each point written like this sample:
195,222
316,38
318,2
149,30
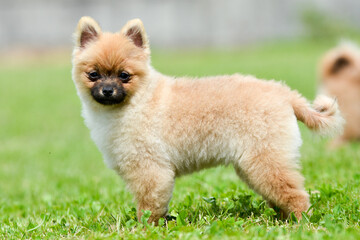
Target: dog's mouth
109,101
108,94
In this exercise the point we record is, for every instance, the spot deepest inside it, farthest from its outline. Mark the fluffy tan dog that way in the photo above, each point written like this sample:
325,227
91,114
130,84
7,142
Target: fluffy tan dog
152,128
340,77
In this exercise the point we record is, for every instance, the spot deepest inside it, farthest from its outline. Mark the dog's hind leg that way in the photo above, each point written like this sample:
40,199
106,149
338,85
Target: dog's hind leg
275,178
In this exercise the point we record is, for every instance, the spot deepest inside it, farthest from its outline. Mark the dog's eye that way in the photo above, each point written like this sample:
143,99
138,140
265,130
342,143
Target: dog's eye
94,75
124,77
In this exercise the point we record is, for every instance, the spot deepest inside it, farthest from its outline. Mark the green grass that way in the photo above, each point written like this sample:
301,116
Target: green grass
53,183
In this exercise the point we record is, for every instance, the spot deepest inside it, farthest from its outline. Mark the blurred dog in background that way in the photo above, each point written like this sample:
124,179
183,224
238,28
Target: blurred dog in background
339,72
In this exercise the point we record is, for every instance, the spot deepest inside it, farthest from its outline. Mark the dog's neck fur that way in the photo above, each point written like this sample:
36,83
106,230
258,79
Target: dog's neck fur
105,121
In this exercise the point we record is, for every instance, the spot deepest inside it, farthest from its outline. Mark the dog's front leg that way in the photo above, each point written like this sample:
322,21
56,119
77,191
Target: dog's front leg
152,186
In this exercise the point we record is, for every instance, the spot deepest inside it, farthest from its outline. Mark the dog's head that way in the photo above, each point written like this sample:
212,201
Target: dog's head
109,67
341,65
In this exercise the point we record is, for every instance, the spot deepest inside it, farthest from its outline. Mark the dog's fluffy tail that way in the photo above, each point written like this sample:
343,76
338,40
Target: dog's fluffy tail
323,116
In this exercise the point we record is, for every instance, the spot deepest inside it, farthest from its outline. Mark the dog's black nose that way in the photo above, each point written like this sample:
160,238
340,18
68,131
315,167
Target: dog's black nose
108,91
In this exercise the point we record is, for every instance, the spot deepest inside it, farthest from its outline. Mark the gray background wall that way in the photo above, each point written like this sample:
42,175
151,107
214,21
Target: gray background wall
169,23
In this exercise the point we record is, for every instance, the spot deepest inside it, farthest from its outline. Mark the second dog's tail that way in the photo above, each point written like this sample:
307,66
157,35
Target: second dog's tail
323,116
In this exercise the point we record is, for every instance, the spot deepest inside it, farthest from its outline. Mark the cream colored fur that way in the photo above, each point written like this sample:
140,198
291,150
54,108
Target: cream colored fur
340,77
169,126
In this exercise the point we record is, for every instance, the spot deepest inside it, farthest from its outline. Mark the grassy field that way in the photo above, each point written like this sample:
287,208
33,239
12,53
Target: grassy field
53,183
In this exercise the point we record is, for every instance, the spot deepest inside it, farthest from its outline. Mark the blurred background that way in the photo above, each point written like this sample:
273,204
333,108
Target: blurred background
46,24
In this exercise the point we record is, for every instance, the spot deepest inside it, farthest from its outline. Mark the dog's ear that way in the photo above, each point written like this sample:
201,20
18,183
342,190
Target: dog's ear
335,62
340,60
340,63
87,30
135,31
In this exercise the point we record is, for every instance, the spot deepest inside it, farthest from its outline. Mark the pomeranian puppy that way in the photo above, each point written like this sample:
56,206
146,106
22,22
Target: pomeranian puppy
340,77
152,128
